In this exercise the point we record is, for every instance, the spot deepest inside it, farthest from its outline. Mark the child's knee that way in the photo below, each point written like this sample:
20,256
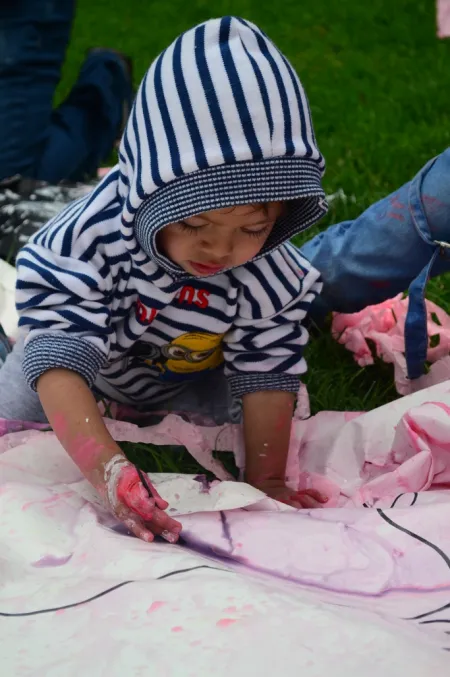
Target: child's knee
17,400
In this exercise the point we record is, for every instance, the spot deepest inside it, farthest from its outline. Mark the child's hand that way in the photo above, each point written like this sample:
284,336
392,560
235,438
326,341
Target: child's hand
129,501
277,489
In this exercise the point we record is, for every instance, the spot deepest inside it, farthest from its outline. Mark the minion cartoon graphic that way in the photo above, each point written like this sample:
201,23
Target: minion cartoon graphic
186,356
193,352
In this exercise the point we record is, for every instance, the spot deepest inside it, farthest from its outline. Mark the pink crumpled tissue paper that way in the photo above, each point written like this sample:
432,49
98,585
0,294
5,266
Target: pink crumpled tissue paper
384,326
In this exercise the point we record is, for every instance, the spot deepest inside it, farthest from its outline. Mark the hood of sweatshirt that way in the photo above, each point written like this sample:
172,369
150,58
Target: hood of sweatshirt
220,119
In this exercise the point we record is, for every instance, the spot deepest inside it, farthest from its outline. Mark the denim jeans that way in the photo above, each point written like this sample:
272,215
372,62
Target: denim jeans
70,142
396,244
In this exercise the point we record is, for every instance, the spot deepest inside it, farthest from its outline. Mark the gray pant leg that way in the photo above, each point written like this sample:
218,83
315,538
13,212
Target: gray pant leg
209,397
17,400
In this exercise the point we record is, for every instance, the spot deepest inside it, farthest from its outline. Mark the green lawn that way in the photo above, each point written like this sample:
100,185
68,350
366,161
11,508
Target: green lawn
378,81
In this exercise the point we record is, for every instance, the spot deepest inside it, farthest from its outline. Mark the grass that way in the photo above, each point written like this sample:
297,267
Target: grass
377,79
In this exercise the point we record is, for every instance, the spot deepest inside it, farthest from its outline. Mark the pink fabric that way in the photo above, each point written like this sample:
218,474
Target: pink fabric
354,458
384,325
361,587
443,18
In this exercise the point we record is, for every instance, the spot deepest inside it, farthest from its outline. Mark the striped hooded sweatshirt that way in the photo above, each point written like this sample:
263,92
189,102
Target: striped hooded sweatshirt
220,119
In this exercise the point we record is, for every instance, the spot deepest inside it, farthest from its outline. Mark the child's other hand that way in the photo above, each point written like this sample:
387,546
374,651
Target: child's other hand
129,501
277,489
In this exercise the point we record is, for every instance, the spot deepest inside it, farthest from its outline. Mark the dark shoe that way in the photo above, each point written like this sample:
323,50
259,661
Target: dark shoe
127,66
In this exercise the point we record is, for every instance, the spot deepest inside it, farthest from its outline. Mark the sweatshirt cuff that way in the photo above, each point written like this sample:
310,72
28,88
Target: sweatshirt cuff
58,351
242,384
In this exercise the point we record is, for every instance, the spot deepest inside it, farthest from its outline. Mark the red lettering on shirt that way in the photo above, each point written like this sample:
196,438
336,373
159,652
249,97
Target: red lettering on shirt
145,315
202,298
191,296
186,295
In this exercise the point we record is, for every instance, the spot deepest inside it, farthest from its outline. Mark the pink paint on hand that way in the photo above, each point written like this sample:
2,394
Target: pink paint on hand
283,420
131,492
86,453
60,425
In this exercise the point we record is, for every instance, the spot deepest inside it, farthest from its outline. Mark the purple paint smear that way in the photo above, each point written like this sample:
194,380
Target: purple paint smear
50,561
206,485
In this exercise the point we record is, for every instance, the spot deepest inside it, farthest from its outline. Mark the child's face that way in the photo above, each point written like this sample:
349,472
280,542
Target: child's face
224,238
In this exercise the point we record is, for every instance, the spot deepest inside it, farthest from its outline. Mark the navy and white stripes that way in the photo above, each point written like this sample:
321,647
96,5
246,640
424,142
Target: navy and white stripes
220,119
140,343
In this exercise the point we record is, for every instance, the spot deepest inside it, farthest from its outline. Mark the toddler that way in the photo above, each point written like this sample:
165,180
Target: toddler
173,285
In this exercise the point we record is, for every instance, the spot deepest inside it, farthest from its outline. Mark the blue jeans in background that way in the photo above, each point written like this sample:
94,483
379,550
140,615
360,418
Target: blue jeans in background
70,142
397,244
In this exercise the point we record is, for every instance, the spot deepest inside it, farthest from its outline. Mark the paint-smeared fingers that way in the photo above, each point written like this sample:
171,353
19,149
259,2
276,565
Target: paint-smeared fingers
139,529
169,536
163,522
159,501
316,495
139,501
308,499
148,532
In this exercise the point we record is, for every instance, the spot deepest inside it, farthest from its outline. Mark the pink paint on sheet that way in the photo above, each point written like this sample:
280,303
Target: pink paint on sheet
155,606
443,18
225,622
443,406
177,628
46,502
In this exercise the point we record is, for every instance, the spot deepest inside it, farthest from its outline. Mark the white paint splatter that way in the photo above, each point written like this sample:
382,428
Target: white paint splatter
111,476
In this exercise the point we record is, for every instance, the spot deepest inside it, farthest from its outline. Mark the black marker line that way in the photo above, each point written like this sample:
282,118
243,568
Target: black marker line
68,606
425,542
416,536
183,571
105,592
429,613
399,497
438,620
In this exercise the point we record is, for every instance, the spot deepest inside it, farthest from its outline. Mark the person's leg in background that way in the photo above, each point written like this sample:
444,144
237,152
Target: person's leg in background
70,142
33,38
85,127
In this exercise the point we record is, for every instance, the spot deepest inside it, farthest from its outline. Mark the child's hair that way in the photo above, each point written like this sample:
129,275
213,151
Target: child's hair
264,206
